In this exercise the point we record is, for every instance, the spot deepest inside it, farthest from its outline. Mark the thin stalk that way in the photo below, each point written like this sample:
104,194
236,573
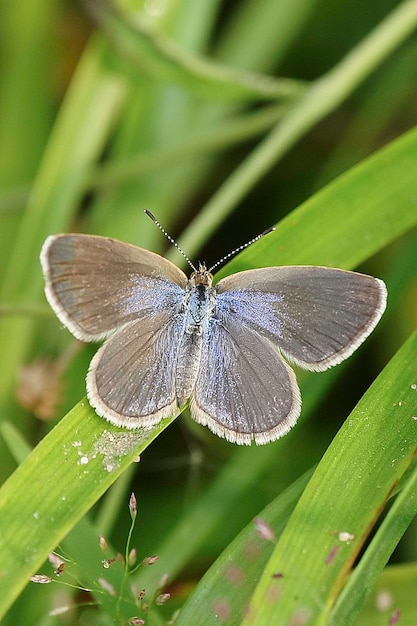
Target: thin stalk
227,133
319,100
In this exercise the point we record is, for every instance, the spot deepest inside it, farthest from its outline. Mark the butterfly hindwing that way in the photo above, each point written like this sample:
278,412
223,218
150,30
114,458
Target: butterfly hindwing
131,380
244,391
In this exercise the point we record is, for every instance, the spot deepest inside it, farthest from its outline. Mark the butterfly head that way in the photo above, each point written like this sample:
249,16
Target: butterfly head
201,276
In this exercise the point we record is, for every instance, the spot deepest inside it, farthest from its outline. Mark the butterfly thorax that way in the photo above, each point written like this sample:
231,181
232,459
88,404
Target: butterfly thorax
197,308
199,301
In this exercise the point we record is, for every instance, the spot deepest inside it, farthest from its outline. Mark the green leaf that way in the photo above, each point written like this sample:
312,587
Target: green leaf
227,585
362,466
349,220
364,577
79,135
320,99
56,485
395,590
154,55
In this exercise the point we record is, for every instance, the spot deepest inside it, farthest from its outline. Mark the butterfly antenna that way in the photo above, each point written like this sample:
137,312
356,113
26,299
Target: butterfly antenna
240,248
170,239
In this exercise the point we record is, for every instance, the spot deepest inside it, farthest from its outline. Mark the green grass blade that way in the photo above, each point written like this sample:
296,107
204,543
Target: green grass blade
362,466
227,133
55,486
159,57
255,21
349,220
27,64
364,577
395,590
79,136
318,101
229,582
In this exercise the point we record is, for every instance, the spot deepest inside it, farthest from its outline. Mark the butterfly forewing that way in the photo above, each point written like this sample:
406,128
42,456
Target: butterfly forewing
244,392
97,284
316,316
131,380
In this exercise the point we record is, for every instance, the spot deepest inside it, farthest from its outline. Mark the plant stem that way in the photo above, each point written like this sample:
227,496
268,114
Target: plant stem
319,100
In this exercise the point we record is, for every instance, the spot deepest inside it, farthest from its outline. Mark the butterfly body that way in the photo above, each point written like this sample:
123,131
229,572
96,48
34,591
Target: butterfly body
170,340
197,310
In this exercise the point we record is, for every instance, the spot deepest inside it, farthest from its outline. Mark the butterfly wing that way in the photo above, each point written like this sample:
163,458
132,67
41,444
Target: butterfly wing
315,316
244,390
131,380
97,284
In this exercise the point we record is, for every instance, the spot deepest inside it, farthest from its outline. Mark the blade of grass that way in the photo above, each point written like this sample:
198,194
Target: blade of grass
254,21
347,492
161,58
227,133
368,126
25,32
82,546
364,577
55,486
80,133
14,200
321,98
350,219
229,582
16,443
27,51
395,590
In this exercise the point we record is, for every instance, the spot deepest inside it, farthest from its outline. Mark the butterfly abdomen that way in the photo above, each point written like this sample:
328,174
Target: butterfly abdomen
188,363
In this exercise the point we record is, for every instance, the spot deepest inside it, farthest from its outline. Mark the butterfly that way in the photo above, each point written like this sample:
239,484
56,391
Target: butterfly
221,347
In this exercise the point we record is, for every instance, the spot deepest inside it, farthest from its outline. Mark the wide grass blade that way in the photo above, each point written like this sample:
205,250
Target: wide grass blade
343,501
56,485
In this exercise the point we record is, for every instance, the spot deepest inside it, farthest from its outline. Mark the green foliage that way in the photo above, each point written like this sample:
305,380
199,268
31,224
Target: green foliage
201,112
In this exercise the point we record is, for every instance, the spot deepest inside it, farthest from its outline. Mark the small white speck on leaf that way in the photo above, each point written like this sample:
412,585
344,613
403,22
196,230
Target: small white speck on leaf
114,446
